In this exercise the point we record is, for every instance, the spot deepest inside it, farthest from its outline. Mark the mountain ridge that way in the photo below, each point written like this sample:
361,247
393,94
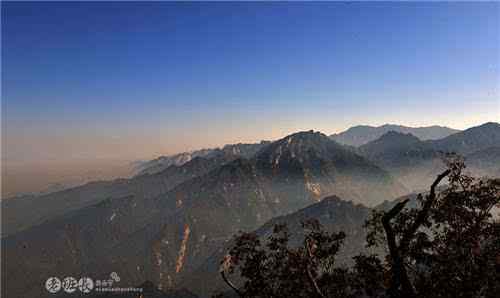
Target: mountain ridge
361,134
415,162
160,163
246,150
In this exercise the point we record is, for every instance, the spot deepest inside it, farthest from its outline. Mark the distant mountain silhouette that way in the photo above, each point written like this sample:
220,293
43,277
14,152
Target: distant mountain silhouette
23,212
415,163
470,140
161,163
485,162
395,150
362,134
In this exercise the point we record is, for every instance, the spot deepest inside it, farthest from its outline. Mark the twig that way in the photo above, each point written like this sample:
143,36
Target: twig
309,273
399,273
230,284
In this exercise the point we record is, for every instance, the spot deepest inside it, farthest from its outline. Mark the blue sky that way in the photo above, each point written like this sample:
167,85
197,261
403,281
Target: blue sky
134,80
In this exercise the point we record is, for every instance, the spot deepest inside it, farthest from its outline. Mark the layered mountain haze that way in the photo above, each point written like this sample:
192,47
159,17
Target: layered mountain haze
322,167
43,176
415,162
163,162
286,175
362,134
485,162
161,227
283,177
158,164
171,223
470,140
23,212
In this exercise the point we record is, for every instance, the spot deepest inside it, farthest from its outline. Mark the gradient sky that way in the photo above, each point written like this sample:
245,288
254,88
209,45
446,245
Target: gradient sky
134,80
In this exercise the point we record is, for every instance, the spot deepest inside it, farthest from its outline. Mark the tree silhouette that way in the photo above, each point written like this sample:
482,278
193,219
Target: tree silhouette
450,244
446,246
279,270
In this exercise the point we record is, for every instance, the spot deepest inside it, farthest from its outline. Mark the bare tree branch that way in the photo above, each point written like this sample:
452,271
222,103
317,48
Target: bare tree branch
399,274
309,273
422,214
230,284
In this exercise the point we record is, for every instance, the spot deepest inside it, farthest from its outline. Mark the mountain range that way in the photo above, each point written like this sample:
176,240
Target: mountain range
416,162
169,224
354,136
24,212
159,164
362,134
130,228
